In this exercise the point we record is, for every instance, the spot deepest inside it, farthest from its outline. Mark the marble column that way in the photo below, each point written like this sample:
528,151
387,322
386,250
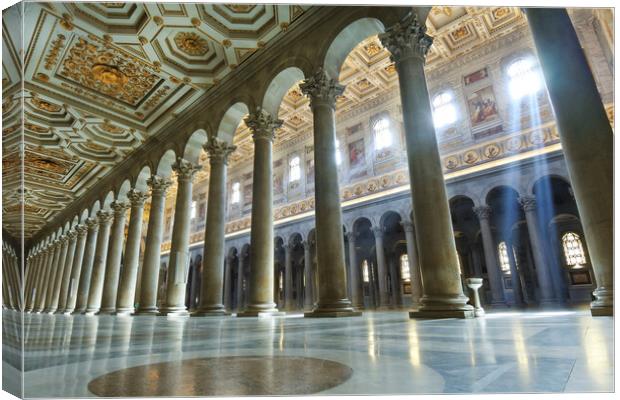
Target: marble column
211,294
546,294
578,108
308,289
179,246
34,277
53,289
288,277
99,262
397,298
414,265
152,250
332,272
66,274
76,269
357,300
517,292
240,286
490,256
261,278
443,292
81,297
382,269
113,262
227,284
127,286
44,277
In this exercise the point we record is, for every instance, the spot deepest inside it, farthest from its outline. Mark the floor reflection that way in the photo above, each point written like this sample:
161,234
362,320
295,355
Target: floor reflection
387,352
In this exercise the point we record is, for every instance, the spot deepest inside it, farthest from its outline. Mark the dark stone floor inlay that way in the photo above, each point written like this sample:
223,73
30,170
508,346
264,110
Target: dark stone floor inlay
224,376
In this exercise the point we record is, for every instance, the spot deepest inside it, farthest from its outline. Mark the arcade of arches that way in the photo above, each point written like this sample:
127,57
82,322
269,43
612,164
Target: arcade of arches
395,161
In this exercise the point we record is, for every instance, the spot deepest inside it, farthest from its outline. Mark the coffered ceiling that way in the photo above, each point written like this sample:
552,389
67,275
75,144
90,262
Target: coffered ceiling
101,77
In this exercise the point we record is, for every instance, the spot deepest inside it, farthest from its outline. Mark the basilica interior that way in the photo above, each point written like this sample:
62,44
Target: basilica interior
204,199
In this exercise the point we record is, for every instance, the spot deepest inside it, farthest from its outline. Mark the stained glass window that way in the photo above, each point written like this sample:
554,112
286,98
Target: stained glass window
573,250
504,261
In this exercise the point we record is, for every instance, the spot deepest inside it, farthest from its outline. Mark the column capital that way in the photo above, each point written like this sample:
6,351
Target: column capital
352,236
378,231
185,169
104,216
158,184
218,150
63,239
528,203
119,207
262,125
406,39
306,244
136,197
321,89
81,230
92,223
72,234
483,212
407,225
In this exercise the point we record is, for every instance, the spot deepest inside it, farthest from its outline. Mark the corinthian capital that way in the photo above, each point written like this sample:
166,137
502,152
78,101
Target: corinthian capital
482,212
321,89
119,207
158,185
92,223
104,216
218,150
185,170
407,38
528,203
262,124
81,230
136,197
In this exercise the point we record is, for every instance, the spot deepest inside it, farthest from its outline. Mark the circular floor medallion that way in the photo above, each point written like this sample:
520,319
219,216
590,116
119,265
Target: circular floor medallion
224,376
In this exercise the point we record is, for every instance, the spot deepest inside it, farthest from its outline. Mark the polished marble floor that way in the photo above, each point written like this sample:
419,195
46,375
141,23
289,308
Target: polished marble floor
387,353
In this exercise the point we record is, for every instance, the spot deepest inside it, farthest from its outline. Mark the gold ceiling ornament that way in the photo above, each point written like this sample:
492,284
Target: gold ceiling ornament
226,43
44,105
372,49
447,11
240,8
191,43
113,4
460,33
66,23
284,25
158,20
391,69
108,127
52,57
195,21
156,98
175,80
36,128
107,71
501,12
143,40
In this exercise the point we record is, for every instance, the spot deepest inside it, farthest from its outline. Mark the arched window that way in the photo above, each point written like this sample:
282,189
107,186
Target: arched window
338,155
382,133
365,275
294,170
573,250
504,261
524,77
405,273
444,109
236,193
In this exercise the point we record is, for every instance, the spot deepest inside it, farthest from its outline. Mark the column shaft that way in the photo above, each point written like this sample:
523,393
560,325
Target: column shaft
443,292
308,280
178,267
127,288
578,108
50,276
381,268
66,275
99,262
113,261
490,256
152,251
288,278
76,269
357,299
86,269
414,265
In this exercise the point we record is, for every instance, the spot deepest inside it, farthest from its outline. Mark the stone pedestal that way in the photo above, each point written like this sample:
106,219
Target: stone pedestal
332,273
260,299
127,289
152,250
589,157
443,294
474,284
178,267
113,264
211,295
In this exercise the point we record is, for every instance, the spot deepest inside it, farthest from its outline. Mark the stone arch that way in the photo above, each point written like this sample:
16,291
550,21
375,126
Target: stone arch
536,179
388,214
121,192
193,146
164,166
278,87
83,216
139,182
95,207
295,238
484,196
231,120
346,40
357,224
107,200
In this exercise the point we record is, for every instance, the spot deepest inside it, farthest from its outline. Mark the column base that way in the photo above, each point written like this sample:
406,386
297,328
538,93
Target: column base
67,312
218,312
124,311
604,311
603,306
49,311
173,312
76,312
332,314
91,311
107,311
438,307
439,314
479,312
145,311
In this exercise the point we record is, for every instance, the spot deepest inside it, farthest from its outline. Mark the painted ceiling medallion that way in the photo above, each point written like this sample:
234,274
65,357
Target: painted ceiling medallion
191,44
107,71
44,105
